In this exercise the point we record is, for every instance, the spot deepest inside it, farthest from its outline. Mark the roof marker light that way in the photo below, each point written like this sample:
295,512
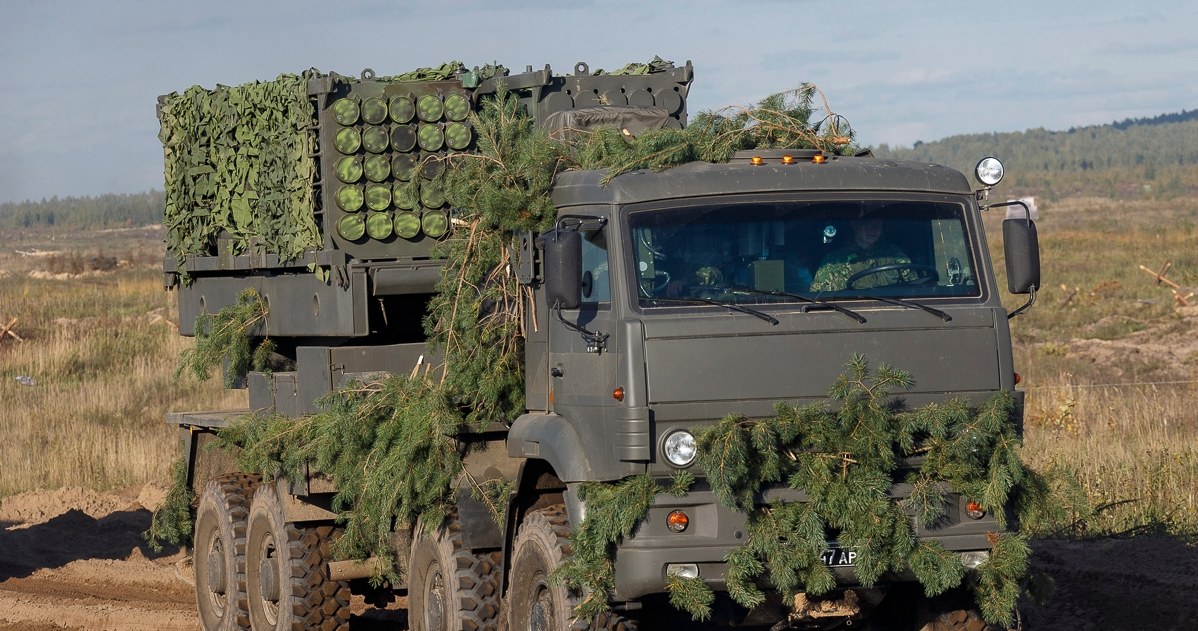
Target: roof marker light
756,161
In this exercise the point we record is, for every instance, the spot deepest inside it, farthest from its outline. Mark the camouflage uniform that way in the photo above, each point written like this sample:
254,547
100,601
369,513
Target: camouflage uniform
836,268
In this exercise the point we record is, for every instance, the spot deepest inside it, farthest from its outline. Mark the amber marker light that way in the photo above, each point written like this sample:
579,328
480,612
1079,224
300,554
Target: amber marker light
819,158
788,159
974,509
756,161
618,393
677,521
1018,378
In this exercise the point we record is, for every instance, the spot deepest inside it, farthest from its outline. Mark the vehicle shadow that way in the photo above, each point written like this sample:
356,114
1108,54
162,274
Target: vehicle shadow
72,536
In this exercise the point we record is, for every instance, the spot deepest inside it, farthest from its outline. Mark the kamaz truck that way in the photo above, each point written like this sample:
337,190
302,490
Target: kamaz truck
660,302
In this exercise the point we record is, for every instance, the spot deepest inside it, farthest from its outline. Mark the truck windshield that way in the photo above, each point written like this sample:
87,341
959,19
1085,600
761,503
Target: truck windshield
797,250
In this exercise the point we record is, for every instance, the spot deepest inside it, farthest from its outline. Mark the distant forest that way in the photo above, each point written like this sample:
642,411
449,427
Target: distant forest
1143,157
104,211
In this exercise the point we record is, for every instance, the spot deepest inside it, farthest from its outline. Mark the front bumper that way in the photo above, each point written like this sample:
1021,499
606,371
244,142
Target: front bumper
715,530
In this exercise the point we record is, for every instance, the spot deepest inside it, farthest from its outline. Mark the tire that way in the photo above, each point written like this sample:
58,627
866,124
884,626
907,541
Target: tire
287,571
534,603
219,556
952,611
958,620
449,587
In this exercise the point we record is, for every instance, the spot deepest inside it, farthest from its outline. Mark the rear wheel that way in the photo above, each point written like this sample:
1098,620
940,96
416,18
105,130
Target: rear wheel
287,571
449,587
219,556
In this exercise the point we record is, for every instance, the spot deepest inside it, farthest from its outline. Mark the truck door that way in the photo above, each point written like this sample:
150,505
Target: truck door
582,366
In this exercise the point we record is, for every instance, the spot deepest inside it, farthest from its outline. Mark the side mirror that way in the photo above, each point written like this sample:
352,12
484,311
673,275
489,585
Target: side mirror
563,268
1021,248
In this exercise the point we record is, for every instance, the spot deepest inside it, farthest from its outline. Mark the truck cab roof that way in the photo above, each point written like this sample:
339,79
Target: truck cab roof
804,173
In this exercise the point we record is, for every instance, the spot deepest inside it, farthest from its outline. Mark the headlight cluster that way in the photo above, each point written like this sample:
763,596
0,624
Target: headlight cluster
680,448
389,149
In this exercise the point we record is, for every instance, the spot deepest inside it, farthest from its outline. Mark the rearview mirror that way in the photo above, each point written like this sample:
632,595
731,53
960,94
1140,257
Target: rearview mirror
563,268
1021,248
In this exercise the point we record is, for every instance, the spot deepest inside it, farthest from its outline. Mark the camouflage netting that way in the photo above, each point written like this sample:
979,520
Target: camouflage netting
240,160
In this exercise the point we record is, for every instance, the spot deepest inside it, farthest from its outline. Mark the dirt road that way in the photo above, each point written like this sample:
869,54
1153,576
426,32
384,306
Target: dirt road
74,559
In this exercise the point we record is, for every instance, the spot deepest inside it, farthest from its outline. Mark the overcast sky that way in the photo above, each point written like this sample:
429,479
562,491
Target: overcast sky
77,116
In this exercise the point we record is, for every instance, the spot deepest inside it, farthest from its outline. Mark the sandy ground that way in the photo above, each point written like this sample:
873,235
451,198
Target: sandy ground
75,559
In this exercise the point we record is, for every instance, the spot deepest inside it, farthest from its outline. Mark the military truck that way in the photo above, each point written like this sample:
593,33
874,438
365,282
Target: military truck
659,303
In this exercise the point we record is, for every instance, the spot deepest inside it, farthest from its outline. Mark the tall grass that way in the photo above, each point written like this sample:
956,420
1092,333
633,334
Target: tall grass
99,352
1133,448
1108,364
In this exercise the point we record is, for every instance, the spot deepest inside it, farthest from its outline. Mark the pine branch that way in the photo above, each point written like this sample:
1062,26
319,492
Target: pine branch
691,595
224,336
173,520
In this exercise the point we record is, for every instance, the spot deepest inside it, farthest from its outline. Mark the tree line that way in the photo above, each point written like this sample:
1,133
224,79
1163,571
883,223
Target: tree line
110,210
1148,154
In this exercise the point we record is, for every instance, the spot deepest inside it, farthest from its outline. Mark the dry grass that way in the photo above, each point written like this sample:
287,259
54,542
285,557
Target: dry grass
1110,361
85,393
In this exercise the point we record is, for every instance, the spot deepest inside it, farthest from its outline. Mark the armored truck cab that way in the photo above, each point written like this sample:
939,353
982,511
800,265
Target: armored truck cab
695,294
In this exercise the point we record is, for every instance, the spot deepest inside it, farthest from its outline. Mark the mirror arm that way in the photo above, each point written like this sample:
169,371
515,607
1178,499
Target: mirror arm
596,342
1027,212
1031,300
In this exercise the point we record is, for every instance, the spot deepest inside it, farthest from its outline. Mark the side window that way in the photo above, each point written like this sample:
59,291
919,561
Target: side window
596,282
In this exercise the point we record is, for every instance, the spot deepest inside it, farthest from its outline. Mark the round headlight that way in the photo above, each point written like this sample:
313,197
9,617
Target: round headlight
680,448
989,171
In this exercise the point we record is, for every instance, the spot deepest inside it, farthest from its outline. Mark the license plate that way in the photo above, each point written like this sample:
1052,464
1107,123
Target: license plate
839,557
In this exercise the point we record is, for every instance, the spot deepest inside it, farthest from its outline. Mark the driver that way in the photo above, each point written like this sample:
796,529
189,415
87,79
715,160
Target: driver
865,252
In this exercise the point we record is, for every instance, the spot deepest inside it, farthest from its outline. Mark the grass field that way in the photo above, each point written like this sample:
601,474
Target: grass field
85,391
1106,356
1109,359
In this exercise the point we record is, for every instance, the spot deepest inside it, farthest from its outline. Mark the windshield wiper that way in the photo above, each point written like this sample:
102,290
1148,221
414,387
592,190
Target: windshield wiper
807,299
729,305
910,304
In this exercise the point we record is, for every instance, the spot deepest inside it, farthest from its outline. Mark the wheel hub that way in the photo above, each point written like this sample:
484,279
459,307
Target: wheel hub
540,616
215,567
268,578
434,612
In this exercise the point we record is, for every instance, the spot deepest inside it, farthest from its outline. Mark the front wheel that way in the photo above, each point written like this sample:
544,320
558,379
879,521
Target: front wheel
534,603
287,571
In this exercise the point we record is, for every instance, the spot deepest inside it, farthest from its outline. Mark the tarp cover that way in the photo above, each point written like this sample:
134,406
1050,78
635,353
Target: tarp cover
636,119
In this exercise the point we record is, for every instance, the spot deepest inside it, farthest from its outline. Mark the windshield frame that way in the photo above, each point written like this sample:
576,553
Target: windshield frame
972,239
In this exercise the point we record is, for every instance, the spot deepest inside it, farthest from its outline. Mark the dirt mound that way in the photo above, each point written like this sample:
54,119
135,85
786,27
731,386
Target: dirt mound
49,529
1164,350
36,507
75,559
